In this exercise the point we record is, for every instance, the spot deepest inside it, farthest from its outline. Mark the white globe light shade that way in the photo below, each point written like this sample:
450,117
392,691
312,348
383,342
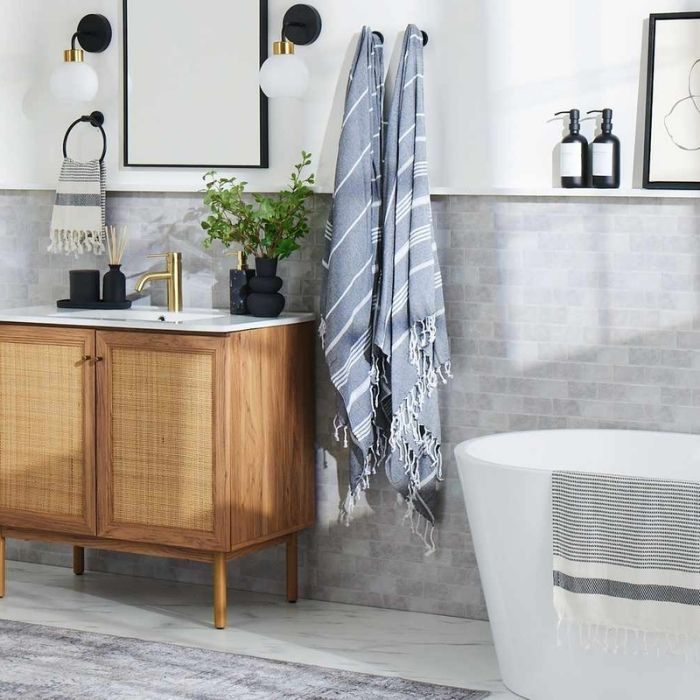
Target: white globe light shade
74,81
284,75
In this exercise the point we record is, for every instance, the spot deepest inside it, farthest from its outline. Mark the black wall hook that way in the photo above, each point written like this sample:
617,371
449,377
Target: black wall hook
380,36
96,119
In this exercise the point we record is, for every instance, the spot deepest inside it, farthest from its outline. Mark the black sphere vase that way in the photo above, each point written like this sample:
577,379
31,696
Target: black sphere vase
264,298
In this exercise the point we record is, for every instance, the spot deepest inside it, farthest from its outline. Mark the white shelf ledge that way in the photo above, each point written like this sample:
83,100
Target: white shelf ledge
573,192
446,191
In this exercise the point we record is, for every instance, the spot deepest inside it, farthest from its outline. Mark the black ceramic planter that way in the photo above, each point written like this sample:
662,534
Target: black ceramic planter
264,298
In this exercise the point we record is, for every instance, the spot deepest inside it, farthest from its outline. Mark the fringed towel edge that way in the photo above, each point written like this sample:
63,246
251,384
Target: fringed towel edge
625,640
76,241
404,422
377,451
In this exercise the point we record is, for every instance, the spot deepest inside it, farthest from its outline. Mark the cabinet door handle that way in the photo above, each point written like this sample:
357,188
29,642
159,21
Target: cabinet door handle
83,360
98,358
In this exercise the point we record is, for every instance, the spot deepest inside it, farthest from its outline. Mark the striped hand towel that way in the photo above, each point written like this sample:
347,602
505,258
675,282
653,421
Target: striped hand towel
626,554
78,220
349,291
410,331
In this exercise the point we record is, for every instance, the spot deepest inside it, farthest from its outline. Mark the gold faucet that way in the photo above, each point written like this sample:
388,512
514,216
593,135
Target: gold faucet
172,275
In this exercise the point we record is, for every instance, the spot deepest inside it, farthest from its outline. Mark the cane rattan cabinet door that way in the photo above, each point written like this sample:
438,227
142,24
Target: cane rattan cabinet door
47,428
162,473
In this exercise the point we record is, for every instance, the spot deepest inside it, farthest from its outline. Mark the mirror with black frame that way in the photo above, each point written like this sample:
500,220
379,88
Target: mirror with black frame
190,83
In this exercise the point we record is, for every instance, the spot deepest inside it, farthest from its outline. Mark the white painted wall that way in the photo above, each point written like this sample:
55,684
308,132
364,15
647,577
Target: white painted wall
496,71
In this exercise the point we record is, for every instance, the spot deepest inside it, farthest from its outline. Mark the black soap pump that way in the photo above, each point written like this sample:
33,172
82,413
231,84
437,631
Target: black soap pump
239,278
573,153
605,153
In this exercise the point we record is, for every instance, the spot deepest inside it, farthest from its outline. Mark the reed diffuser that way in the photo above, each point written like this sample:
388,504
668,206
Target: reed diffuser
114,281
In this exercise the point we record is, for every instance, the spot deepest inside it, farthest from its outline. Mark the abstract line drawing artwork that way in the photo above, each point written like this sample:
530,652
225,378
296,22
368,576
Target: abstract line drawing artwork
672,103
690,101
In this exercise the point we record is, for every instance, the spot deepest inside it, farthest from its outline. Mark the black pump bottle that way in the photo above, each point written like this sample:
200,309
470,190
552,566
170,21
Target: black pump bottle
239,278
605,154
573,154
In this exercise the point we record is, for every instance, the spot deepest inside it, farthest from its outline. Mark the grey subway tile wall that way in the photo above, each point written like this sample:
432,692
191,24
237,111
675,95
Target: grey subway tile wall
563,312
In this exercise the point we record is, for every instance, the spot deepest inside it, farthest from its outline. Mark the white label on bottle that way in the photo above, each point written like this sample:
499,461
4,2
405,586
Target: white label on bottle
603,159
570,160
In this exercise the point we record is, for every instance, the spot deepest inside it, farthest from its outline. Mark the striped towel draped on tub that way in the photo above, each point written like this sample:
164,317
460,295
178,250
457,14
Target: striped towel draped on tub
383,317
627,558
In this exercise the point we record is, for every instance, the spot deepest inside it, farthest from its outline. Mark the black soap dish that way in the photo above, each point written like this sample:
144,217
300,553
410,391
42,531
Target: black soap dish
102,305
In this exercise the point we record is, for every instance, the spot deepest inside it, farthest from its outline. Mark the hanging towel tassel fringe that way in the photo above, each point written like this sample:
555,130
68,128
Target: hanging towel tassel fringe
376,452
406,428
76,242
406,431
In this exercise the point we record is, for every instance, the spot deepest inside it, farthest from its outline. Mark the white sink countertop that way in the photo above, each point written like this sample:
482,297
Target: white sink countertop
151,318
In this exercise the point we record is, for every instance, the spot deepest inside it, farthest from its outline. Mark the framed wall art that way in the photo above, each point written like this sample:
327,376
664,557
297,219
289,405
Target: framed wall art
672,129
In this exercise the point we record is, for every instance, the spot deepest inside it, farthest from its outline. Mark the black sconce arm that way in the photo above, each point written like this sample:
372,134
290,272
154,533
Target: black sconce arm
285,26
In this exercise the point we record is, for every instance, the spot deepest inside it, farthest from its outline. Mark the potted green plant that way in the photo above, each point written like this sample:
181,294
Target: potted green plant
269,227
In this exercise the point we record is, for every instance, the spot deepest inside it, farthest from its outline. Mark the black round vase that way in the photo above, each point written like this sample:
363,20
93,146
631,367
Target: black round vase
114,284
264,298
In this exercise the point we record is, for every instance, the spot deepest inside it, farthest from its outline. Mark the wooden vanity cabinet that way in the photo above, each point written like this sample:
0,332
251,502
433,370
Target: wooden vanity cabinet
171,444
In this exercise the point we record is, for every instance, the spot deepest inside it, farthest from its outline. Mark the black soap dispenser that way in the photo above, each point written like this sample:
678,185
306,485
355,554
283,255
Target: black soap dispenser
573,153
239,277
605,154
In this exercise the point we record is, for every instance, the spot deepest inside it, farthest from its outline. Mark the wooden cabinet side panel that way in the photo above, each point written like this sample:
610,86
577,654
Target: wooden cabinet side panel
272,453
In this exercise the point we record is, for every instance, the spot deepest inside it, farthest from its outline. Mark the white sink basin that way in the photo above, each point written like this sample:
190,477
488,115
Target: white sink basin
143,315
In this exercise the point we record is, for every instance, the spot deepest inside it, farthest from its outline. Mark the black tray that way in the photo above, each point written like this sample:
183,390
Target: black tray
68,304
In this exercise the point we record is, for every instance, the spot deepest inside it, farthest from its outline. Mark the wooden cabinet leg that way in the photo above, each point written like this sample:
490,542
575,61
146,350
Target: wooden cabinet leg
220,602
78,561
2,566
292,575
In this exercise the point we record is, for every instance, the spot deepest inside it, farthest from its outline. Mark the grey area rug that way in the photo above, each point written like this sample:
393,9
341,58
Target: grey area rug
59,664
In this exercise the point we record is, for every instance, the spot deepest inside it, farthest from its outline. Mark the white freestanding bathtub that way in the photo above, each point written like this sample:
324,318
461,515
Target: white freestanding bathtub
506,480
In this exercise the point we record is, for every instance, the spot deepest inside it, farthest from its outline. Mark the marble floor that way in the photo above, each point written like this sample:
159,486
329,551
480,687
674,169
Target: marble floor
417,646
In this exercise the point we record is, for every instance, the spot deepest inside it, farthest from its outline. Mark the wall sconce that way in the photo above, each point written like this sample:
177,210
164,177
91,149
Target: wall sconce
74,79
284,74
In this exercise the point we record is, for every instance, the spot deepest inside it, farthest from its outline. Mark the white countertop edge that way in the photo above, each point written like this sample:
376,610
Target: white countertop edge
52,316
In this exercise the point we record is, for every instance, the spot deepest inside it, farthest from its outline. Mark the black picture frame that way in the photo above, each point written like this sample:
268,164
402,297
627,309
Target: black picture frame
264,123
647,183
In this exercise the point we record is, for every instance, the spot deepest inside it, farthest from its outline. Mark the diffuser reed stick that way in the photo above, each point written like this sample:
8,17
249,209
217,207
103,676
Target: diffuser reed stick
116,244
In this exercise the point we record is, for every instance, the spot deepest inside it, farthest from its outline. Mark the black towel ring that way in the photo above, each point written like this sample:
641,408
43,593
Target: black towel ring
96,119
